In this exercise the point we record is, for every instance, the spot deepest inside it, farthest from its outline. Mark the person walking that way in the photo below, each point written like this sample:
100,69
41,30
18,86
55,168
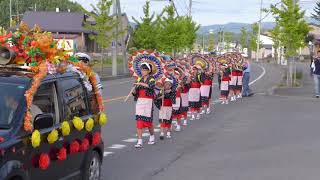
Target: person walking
246,79
316,74
144,95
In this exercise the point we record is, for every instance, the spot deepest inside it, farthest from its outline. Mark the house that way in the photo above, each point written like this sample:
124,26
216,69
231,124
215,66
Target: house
315,32
65,27
68,28
266,49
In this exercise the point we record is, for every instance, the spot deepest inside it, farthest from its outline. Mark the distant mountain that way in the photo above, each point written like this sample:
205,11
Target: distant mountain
236,27
233,27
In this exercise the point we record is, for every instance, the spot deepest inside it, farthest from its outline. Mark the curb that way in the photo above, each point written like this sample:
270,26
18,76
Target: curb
108,78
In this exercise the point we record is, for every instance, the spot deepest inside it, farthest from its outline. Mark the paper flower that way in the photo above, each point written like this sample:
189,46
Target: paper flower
103,119
35,139
78,123
53,136
62,154
89,124
44,161
96,138
74,147
84,145
65,128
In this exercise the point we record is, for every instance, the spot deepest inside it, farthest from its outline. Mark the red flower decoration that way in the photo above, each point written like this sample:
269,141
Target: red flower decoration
62,154
1,139
84,145
74,147
44,161
96,138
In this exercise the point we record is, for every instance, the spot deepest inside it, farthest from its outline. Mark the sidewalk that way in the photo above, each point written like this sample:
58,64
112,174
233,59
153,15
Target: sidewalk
106,73
307,87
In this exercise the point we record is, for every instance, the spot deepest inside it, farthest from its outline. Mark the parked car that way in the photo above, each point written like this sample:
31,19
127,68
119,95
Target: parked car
59,98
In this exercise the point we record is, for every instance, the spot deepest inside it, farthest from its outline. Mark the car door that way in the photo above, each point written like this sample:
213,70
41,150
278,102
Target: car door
75,104
46,103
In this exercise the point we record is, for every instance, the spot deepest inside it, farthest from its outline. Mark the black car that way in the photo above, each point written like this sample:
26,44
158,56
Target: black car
59,98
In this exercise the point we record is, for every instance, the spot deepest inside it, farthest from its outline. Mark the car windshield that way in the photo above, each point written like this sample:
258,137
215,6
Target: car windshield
10,97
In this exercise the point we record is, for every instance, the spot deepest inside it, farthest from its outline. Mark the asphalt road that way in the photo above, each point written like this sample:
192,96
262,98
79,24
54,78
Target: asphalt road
262,137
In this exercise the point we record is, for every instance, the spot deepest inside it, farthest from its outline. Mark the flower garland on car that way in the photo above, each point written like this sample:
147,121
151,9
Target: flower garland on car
40,52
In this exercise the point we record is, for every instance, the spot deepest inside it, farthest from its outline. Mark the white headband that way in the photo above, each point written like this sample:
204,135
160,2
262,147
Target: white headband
147,64
168,80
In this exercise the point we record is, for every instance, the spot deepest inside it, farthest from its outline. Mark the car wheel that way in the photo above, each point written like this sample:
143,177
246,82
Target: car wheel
92,169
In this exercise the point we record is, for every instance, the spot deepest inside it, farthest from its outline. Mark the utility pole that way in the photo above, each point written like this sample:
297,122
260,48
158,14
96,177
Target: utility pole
123,43
259,32
190,8
10,13
115,42
293,66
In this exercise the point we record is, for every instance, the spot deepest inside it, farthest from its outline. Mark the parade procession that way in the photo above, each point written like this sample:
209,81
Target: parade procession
159,89
181,89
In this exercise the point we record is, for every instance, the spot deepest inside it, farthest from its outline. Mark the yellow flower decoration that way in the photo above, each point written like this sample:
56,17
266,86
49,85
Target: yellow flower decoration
78,123
65,127
89,124
103,119
35,139
53,136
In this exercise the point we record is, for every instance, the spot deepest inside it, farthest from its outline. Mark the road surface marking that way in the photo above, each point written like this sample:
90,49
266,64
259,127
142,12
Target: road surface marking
156,130
261,76
117,146
145,134
106,153
118,83
115,99
130,140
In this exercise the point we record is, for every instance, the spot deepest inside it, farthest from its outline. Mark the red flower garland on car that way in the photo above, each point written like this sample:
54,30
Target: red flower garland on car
96,138
62,154
74,147
44,161
43,71
84,145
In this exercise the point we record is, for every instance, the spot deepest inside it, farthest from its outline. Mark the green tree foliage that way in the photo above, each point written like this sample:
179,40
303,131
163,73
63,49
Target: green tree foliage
228,37
144,35
169,39
105,24
21,6
211,42
254,37
244,38
316,14
167,32
293,27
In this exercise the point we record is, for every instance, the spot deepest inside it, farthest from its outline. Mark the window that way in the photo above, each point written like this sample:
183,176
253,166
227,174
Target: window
74,97
45,101
11,97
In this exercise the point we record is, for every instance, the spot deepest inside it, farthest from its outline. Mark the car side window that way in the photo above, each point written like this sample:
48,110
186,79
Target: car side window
74,98
45,101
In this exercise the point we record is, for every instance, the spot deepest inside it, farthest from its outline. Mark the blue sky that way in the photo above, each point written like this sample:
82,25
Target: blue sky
207,12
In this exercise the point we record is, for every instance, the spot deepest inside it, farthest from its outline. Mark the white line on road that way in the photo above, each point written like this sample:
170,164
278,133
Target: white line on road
145,134
130,140
106,153
156,130
263,73
117,146
118,83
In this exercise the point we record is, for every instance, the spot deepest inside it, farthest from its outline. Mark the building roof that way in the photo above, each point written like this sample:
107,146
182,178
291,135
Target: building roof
64,22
